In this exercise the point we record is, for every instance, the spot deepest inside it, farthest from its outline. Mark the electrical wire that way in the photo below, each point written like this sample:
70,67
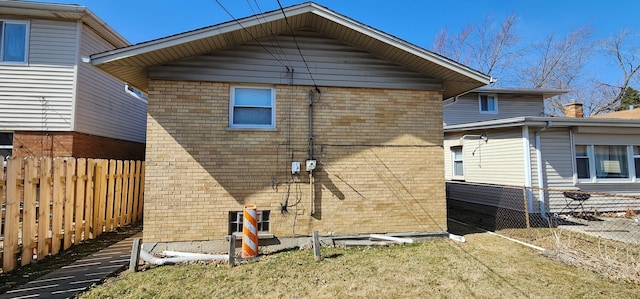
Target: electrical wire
269,34
249,33
297,45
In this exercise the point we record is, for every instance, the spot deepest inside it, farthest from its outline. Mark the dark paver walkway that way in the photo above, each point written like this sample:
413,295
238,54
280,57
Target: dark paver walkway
79,276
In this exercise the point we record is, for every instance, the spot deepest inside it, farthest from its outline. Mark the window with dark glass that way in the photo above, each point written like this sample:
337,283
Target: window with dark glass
582,162
6,144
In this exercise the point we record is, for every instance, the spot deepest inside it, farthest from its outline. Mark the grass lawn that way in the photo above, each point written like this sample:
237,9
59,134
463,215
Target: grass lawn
486,266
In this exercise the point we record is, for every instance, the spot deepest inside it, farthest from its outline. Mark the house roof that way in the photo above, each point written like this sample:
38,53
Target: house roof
544,92
63,12
625,114
130,63
544,121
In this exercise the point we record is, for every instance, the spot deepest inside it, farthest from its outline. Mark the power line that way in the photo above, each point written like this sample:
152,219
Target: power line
297,46
270,34
249,33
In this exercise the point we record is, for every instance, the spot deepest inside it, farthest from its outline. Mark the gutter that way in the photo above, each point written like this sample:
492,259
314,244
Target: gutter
541,181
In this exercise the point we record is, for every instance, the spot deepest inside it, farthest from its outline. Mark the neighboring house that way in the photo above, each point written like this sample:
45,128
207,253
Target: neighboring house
233,107
52,103
625,114
490,157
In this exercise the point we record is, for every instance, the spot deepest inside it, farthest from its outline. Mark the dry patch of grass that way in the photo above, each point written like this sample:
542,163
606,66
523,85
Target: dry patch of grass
486,266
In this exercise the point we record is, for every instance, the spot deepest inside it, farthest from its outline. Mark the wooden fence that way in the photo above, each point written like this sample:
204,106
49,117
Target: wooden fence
50,204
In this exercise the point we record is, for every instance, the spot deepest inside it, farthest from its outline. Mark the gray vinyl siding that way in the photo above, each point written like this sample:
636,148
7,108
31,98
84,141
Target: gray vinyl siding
466,109
103,107
38,96
500,160
331,63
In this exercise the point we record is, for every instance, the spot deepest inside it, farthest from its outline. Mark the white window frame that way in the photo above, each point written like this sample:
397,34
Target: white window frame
592,165
453,150
26,41
495,103
252,126
236,219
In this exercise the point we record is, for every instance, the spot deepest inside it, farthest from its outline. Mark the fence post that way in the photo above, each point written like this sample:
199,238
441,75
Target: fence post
88,203
526,210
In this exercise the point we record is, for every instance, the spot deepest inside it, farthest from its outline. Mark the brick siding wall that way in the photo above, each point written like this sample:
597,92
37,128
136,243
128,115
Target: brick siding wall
379,153
74,144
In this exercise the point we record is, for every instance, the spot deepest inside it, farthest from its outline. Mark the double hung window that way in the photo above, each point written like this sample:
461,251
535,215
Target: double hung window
252,107
457,159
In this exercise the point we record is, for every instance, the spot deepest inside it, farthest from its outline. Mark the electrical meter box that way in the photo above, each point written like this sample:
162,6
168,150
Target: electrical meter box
295,167
311,165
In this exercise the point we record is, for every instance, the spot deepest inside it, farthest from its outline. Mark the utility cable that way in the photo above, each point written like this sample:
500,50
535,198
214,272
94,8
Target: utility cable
249,33
268,33
297,45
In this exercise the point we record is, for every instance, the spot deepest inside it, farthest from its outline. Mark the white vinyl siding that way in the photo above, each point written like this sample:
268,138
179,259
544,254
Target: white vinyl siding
38,95
103,107
330,61
500,160
466,108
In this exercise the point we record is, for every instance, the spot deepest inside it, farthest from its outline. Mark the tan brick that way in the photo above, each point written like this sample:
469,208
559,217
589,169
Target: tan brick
379,155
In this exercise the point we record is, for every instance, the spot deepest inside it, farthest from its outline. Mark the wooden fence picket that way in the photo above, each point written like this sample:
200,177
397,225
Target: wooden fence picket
12,214
52,204
44,209
29,227
125,193
58,204
69,207
111,185
136,191
81,182
117,203
88,203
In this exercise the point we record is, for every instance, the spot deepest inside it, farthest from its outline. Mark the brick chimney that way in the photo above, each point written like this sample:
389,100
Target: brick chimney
573,109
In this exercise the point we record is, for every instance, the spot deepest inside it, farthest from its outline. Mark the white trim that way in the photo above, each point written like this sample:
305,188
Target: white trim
76,74
252,126
26,41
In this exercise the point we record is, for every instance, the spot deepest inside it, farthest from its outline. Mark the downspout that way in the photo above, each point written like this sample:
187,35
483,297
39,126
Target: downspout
541,185
527,166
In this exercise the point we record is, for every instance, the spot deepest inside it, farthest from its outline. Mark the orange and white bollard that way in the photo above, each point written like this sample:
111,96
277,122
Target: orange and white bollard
250,232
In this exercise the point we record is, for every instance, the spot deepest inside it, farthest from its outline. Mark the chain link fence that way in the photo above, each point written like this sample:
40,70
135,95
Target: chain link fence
599,231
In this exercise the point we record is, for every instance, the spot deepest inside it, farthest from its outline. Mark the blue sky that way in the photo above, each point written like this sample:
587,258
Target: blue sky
416,21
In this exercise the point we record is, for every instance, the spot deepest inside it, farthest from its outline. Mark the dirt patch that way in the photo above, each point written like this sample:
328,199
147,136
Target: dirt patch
31,272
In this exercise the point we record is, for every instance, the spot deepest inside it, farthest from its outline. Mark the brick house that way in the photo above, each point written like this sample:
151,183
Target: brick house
237,108
51,102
